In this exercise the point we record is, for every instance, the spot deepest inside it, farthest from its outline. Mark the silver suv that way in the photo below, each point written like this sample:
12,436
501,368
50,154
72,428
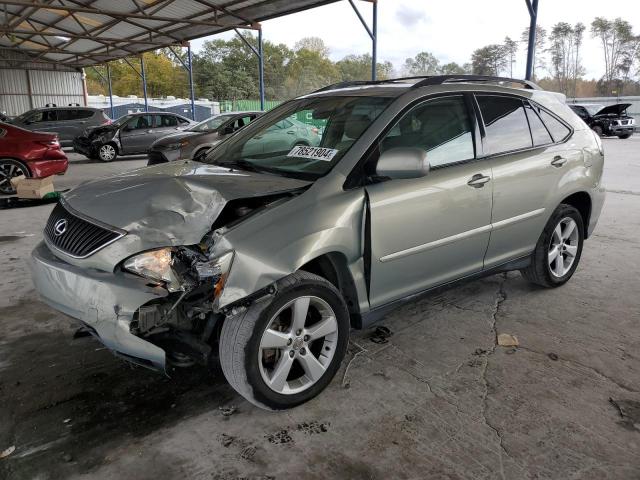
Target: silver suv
263,258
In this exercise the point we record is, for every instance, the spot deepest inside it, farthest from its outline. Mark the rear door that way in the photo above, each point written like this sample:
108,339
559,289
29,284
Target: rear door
431,230
528,160
66,124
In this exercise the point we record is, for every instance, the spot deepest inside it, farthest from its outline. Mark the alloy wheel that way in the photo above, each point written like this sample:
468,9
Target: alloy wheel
298,345
9,170
107,152
563,247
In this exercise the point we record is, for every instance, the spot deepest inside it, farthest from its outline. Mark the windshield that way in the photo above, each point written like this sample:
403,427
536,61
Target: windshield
302,138
122,120
210,124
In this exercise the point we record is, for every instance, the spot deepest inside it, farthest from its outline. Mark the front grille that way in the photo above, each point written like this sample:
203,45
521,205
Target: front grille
76,236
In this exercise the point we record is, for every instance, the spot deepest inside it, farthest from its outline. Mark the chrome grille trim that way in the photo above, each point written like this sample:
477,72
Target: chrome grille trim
83,237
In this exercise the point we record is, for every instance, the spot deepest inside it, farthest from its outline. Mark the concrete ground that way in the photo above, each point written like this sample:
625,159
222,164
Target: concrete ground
439,399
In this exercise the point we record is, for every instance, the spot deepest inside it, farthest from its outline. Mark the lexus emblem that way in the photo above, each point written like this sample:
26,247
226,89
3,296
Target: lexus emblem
60,227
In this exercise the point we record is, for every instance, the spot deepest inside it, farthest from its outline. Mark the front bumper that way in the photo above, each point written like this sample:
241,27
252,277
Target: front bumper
157,156
84,146
104,302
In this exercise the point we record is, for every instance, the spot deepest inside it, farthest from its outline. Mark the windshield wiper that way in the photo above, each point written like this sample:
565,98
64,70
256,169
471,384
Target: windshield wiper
240,165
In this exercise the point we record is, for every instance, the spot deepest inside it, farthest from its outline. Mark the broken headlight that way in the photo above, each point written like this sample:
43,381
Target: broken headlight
155,265
216,269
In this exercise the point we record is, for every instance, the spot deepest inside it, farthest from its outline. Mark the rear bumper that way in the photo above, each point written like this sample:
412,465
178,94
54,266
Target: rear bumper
105,302
45,168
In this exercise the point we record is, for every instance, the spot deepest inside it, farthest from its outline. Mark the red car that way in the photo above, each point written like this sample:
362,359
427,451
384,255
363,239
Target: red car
32,154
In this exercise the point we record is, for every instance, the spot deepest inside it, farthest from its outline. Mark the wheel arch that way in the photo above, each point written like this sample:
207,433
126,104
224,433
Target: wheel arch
21,162
581,201
334,268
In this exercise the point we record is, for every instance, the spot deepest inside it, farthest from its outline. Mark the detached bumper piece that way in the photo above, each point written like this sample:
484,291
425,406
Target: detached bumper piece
83,145
104,302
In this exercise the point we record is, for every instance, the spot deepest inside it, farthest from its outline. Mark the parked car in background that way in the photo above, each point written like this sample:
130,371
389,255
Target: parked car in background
608,121
67,122
283,135
129,135
265,256
194,142
32,154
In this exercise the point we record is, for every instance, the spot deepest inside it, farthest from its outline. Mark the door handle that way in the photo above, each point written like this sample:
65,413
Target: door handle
558,161
478,180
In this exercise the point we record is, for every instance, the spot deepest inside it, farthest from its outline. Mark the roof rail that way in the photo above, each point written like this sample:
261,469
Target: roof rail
440,79
347,84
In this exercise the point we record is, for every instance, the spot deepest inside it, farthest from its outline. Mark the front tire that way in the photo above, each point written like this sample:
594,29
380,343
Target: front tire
558,250
283,353
598,130
107,152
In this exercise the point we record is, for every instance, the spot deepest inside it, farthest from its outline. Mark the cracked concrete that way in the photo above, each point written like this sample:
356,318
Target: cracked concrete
439,400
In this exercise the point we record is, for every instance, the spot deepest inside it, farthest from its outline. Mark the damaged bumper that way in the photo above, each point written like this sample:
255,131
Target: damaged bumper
104,302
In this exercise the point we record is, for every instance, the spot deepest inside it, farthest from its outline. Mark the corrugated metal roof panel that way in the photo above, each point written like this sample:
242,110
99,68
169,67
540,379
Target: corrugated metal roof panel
177,22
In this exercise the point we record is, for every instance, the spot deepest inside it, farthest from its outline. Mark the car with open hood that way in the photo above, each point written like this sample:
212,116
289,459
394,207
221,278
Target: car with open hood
194,142
263,256
608,121
129,135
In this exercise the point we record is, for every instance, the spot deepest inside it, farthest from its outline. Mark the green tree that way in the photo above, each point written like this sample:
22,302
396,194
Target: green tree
424,63
617,41
452,68
358,67
313,44
489,60
511,49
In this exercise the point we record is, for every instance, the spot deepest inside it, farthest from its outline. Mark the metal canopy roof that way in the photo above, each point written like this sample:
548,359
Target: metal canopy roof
81,33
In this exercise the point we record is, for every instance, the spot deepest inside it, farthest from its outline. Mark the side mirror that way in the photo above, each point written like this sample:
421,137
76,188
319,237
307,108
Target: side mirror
403,163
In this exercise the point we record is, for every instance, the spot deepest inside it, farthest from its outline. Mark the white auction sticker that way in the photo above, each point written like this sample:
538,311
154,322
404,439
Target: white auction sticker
313,153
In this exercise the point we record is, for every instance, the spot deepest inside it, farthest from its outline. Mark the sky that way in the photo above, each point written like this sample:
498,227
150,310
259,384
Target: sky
451,30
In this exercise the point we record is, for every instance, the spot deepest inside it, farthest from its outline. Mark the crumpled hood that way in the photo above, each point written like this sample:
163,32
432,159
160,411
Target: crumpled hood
617,109
173,203
176,137
94,132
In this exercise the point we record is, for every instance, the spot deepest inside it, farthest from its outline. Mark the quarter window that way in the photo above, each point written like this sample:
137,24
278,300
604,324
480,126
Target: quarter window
559,131
539,132
441,126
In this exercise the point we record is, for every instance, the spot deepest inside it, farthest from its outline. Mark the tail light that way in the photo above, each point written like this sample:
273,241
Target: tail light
106,121
54,143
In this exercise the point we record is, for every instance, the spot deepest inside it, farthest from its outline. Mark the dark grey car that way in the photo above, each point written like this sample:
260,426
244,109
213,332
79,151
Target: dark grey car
67,122
194,142
129,135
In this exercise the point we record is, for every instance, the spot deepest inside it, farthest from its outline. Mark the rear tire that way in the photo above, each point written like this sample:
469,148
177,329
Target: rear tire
200,155
283,335
558,250
107,152
10,168
598,130
624,136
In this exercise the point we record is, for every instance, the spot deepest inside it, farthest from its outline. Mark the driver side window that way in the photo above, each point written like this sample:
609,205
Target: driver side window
441,127
140,122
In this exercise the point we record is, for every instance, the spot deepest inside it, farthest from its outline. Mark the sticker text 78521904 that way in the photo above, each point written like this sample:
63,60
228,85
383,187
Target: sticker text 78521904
313,153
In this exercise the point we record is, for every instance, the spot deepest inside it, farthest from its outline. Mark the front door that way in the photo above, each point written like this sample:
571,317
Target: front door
431,230
135,135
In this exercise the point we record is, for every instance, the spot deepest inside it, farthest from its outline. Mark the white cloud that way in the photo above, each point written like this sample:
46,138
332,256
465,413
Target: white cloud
450,30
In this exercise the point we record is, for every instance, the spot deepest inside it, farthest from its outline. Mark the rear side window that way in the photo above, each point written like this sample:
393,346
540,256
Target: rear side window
539,132
167,121
559,131
66,115
82,114
505,124
441,126
182,121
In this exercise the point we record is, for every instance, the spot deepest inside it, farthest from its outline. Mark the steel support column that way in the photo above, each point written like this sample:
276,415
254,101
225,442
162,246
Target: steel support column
261,69
188,67
532,6
144,84
110,91
372,32
260,54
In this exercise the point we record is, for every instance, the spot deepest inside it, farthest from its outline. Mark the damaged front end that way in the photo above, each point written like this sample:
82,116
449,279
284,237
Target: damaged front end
183,323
